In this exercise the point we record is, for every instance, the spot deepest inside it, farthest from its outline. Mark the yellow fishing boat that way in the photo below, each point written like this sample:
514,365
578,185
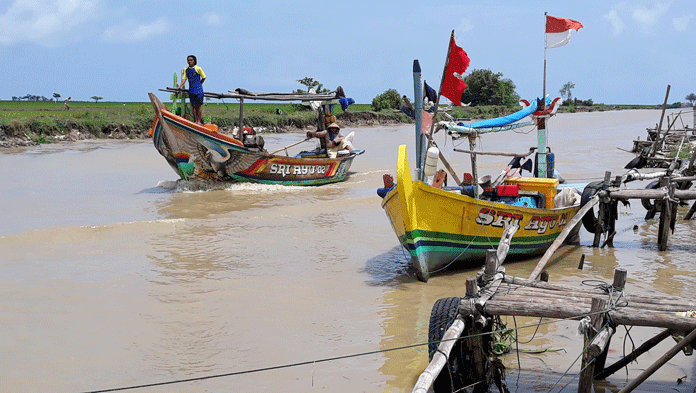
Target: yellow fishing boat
439,226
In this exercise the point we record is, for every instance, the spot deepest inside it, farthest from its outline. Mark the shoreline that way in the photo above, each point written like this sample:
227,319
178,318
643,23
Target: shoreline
121,132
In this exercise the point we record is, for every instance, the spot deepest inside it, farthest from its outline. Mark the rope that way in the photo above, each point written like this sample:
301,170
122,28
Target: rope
324,360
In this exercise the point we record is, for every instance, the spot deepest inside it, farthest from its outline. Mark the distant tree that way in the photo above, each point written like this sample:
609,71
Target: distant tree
484,87
390,99
311,83
56,96
566,93
96,98
691,98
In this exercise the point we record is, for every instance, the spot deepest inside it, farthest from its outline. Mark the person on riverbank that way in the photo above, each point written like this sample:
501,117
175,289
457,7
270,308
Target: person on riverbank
65,104
195,77
335,141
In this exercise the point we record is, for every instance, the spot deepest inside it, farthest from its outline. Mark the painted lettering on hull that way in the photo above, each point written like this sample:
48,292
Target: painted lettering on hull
298,170
498,219
502,219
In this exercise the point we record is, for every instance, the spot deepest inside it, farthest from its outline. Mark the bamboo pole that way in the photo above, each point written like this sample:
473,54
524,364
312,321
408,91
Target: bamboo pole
560,310
654,147
660,362
428,376
561,237
291,145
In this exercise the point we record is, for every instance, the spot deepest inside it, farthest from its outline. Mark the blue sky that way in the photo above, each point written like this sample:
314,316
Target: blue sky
627,52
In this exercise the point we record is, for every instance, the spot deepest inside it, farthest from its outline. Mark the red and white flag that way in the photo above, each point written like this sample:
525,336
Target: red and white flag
558,30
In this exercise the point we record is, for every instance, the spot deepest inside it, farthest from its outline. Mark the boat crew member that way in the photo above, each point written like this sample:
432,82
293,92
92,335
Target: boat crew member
195,77
335,141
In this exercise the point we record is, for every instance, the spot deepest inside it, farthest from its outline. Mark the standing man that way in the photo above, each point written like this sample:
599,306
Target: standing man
195,77
65,104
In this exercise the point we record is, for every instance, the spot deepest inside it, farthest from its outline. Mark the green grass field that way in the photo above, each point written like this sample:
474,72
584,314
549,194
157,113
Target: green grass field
40,119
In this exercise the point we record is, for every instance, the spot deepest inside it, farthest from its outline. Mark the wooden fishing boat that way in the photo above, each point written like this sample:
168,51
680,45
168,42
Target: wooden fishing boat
440,226
200,152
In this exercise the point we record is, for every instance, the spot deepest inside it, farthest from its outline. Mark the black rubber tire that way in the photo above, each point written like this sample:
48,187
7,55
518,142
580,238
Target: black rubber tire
589,220
442,316
648,203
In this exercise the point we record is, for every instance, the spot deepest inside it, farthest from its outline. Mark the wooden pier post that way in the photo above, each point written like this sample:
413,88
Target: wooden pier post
475,372
665,217
599,305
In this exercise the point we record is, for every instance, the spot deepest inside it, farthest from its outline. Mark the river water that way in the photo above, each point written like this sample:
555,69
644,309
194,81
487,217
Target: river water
112,275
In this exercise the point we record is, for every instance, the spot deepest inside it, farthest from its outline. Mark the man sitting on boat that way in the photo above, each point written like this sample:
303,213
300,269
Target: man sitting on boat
335,141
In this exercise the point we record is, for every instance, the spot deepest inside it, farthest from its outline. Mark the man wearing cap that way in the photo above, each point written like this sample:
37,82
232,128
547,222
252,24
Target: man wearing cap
335,141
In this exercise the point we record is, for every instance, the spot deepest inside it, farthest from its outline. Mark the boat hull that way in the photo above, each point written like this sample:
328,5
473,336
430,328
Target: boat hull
197,152
439,227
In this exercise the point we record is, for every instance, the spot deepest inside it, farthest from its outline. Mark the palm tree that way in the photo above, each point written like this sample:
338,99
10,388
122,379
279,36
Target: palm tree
691,98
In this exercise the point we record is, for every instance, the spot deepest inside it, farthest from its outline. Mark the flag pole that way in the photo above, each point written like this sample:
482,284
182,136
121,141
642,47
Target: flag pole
420,138
541,122
543,97
431,142
442,80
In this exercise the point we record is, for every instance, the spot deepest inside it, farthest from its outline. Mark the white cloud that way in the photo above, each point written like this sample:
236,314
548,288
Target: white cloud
129,31
648,18
464,26
617,24
44,22
682,23
212,19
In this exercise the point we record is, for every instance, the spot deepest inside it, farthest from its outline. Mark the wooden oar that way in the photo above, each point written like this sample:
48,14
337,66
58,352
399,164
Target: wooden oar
291,145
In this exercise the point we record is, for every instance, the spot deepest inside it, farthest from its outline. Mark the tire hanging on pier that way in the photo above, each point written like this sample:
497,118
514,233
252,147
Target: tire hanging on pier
648,204
589,220
442,316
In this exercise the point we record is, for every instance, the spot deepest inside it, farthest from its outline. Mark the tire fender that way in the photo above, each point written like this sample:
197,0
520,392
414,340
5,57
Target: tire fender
589,220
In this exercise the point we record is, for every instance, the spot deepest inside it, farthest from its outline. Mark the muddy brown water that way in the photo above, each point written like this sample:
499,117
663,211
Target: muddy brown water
113,275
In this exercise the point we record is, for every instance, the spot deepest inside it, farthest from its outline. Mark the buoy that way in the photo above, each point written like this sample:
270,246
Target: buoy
431,157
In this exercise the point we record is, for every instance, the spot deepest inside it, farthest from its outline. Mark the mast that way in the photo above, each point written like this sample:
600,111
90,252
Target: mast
437,104
420,138
541,121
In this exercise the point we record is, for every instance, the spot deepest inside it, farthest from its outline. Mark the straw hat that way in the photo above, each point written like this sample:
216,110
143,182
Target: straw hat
333,125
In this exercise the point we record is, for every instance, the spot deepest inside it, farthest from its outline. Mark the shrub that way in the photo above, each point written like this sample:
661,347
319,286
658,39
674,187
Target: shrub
390,99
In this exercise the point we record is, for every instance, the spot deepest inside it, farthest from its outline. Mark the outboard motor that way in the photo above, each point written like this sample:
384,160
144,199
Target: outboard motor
253,141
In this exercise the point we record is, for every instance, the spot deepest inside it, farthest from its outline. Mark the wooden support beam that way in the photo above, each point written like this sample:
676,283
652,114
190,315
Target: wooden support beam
692,209
660,362
623,362
561,237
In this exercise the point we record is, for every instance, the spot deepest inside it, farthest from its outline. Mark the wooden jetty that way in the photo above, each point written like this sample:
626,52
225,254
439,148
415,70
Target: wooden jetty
461,329
662,196
465,346
664,144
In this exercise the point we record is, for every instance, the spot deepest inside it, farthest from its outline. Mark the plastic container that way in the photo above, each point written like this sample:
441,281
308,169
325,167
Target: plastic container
431,157
546,186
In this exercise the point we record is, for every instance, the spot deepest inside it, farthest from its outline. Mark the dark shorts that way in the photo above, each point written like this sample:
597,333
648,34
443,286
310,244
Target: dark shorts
196,99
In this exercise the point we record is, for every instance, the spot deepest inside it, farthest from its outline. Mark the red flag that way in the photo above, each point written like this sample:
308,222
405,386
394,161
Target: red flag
457,62
559,30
